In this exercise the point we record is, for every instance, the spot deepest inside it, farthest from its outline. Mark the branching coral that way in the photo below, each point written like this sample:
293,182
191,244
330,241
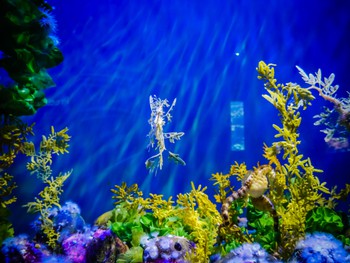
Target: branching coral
336,120
158,119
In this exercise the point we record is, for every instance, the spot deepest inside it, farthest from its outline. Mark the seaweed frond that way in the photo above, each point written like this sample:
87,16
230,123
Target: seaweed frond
6,188
202,219
49,197
40,163
129,195
295,190
13,136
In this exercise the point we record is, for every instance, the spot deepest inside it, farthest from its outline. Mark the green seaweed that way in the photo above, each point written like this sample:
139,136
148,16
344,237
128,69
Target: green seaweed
325,220
193,216
262,226
28,49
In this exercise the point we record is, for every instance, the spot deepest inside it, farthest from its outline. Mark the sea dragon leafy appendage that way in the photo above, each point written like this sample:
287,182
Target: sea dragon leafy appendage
159,117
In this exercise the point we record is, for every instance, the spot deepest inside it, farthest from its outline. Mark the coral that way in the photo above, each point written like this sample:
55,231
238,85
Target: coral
248,253
48,22
66,220
74,247
336,120
167,249
20,249
324,219
104,247
80,243
158,119
320,247
95,246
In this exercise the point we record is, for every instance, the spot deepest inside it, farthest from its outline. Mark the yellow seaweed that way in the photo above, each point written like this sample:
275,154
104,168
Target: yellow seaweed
48,198
40,163
6,188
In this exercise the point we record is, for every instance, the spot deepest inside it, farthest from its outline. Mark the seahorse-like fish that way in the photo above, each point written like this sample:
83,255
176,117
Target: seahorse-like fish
254,185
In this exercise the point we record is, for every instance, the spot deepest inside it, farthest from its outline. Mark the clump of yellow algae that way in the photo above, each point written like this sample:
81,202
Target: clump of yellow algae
40,164
296,190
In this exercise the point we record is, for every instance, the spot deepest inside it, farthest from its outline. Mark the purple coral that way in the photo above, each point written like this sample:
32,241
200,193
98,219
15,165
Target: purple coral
74,247
104,247
320,247
248,253
96,246
167,249
20,249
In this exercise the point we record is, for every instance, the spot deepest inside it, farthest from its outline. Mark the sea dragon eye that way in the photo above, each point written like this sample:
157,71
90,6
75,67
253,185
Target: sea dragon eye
178,246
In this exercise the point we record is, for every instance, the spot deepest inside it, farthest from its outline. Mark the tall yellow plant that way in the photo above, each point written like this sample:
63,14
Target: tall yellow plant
296,190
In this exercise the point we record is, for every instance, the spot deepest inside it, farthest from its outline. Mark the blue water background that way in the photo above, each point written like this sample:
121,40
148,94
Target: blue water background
204,53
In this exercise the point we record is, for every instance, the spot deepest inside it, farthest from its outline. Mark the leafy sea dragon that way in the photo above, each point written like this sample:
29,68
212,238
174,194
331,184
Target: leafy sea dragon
254,185
157,136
